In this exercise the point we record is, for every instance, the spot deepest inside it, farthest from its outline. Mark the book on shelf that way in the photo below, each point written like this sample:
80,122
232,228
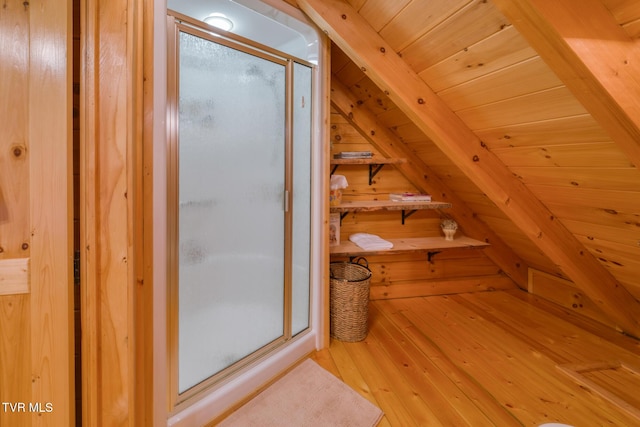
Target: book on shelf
410,197
353,155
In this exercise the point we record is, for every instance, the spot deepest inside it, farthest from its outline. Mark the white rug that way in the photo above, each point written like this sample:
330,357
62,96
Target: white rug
307,396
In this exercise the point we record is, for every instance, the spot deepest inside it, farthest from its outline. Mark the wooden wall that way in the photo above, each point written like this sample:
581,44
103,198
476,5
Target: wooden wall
15,325
36,281
405,275
556,119
466,51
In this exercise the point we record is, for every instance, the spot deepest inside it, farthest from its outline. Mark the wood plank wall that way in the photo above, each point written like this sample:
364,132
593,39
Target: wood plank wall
565,294
15,327
490,76
36,335
399,276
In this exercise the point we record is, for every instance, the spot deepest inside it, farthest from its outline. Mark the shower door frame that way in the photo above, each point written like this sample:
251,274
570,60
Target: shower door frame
177,23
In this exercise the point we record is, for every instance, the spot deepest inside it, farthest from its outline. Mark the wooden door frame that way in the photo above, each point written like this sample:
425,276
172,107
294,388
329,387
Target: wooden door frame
116,270
123,298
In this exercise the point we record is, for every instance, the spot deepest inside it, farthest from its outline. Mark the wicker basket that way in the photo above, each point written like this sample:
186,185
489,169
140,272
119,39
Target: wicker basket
349,291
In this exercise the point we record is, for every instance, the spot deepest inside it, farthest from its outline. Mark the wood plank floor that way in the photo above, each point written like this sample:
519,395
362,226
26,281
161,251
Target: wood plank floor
484,359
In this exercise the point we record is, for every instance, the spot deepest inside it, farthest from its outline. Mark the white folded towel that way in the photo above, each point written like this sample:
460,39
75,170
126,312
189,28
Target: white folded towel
370,241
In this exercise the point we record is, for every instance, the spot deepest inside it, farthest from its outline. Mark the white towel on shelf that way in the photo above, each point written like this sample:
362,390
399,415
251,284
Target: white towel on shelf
370,241
338,182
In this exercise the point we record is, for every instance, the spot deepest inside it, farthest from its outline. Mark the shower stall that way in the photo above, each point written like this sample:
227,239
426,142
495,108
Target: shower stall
242,181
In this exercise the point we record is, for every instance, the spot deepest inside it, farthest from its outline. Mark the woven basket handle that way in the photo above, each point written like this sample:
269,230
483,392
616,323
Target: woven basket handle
359,261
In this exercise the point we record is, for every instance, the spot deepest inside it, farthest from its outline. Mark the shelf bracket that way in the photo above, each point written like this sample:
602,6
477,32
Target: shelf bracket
406,215
373,171
334,169
342,216
430,256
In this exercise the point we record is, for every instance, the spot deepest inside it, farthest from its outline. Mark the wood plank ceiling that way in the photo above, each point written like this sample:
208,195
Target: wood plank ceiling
528,111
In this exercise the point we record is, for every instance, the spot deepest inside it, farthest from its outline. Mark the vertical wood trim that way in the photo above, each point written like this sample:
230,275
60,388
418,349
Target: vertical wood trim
88,199
325,90
110,118
155,207
145,398
138,405
51,194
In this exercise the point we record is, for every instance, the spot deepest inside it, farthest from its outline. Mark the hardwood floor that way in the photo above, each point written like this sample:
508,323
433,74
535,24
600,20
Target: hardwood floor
489,358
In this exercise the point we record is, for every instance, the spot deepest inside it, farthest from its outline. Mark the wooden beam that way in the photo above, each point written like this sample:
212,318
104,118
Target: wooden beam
414,97
592,55
425,179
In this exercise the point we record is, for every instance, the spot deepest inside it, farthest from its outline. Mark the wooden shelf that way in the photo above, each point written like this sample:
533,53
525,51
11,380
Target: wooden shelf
370,161
407,245
430,245
375,164
388,205
407,208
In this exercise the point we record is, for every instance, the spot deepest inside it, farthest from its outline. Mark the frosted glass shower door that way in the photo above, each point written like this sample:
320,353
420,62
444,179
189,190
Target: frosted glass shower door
231,187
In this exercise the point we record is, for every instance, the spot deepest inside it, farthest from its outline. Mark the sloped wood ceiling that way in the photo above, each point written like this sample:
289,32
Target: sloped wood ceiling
484,94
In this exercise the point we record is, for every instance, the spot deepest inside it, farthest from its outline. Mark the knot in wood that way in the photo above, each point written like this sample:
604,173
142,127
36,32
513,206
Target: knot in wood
18,150
476,158
344,16
420,101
